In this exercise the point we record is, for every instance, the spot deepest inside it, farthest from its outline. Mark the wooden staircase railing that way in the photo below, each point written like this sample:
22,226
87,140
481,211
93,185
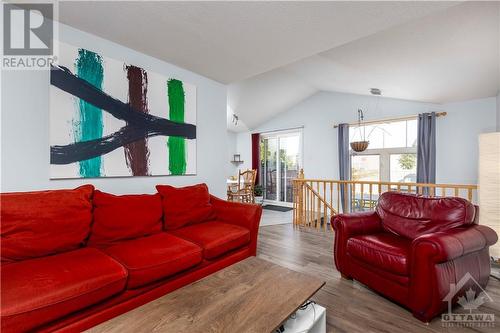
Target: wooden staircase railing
315,201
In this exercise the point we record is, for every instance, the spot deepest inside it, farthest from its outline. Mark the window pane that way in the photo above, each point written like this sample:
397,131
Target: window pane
403,168
289,165
395,134
372,133
365,167
270,168
398,134
411,133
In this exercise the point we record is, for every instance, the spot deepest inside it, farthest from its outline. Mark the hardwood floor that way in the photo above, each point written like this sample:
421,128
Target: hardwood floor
350,306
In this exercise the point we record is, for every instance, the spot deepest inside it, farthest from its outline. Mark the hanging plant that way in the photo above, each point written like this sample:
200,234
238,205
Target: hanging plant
359,146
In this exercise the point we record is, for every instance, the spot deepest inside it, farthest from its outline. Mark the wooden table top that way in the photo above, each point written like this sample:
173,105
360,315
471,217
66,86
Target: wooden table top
252,295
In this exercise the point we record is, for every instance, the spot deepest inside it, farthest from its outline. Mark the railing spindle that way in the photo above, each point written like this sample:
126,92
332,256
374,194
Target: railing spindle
313,208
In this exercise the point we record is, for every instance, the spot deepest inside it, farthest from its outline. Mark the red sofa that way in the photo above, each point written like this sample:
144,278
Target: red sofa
411,248
74,258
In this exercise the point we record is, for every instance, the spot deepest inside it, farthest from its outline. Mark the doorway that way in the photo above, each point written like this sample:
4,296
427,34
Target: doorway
280,160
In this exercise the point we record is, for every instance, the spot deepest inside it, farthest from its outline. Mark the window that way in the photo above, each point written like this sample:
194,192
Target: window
391,154
366,167
403,168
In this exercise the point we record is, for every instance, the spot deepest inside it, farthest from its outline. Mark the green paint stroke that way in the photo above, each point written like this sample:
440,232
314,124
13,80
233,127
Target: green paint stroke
176,145
89,67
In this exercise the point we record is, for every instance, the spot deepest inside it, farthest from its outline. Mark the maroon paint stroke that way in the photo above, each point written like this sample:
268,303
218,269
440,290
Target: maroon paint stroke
137,153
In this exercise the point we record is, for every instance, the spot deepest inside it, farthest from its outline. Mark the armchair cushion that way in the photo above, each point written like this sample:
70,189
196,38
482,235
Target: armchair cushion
386,251
411,215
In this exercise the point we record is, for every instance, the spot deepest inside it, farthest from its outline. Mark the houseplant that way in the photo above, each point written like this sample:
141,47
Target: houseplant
258,192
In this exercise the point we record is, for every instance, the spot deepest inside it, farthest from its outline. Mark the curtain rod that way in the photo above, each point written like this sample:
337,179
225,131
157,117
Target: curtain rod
279,130
390,120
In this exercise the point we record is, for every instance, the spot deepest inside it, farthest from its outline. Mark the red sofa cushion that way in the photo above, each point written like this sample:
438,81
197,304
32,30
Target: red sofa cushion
185,205
411,215
151,258
385,251
216,238
40,290
36,224
124,217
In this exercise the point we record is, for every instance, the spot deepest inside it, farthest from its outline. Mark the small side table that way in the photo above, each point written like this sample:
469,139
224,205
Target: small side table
310,320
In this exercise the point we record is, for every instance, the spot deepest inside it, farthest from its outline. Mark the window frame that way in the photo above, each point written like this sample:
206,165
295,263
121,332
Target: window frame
384,153
384,158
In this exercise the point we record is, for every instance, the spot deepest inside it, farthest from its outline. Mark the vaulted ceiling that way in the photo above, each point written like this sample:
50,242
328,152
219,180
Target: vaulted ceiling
273,55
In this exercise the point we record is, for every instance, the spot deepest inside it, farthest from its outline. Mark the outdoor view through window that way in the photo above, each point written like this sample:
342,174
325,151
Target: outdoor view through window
391,154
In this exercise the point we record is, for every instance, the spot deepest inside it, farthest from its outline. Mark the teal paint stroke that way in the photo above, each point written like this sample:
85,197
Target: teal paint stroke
89,123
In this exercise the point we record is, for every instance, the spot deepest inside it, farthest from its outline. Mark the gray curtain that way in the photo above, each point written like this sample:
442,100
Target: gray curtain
426,149
344,161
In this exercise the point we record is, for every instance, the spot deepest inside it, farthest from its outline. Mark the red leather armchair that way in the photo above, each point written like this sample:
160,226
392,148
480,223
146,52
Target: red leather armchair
411,248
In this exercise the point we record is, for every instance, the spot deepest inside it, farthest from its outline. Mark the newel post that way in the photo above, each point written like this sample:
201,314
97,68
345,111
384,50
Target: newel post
300,194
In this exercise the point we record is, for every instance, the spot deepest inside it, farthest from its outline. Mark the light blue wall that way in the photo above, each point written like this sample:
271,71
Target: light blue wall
25,126
457,134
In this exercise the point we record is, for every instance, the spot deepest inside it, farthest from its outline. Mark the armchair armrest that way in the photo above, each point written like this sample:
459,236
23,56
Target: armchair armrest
449,245
440,259
242,214
347,226
357,223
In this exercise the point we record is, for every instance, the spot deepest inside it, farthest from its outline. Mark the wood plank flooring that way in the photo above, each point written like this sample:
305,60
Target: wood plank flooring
350,306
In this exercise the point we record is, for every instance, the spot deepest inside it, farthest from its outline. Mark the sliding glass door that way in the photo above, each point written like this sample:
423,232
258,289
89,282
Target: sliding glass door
281,160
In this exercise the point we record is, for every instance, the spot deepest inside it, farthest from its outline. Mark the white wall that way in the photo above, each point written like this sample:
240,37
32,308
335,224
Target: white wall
231,168
25,126
457,133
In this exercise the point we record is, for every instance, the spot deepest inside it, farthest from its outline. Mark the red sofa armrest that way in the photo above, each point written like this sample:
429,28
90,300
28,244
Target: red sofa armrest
347,226
449,245
242,214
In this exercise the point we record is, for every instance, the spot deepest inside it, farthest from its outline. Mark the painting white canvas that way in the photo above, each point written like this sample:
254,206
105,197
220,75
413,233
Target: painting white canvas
109,118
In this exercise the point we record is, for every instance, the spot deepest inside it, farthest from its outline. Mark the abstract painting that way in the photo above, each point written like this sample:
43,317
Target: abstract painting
109,118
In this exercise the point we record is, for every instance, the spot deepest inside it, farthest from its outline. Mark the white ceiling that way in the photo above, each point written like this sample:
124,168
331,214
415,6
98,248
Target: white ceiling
275,54
231,41
448,56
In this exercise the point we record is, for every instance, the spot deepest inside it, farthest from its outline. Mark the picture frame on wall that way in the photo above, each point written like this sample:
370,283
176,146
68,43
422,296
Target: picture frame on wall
109,118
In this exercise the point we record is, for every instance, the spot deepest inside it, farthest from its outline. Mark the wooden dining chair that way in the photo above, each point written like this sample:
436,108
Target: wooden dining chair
244,190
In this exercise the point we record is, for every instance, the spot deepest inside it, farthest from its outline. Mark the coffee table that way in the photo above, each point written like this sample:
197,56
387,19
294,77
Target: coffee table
253,295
